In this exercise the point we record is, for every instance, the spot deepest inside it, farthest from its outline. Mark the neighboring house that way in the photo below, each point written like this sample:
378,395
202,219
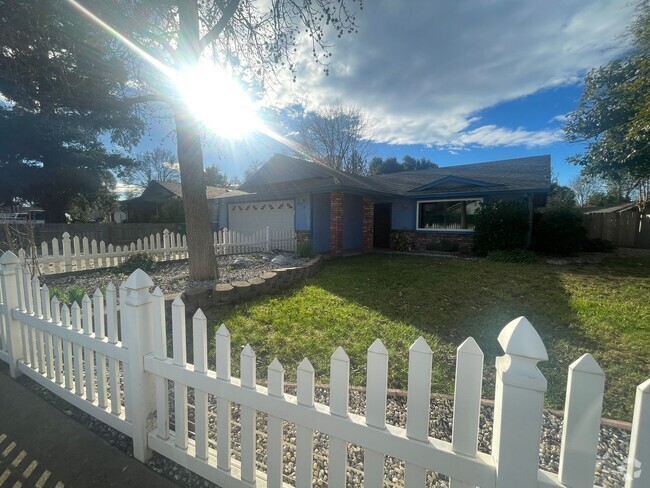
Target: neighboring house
151,202
340,212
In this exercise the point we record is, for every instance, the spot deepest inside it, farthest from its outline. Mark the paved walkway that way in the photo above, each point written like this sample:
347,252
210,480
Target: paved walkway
40,446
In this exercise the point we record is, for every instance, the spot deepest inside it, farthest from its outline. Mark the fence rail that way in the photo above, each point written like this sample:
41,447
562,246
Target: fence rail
76,254
72,351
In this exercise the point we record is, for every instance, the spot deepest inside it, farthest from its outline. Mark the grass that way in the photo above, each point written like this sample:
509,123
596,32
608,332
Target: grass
599,308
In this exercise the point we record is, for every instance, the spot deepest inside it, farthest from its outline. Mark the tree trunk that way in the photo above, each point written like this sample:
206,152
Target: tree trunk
203,261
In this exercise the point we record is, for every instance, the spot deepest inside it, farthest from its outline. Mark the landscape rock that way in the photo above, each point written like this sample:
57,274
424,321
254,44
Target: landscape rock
282,260
241,263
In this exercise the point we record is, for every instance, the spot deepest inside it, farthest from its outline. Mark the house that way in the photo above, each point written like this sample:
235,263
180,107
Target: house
160,194
340,212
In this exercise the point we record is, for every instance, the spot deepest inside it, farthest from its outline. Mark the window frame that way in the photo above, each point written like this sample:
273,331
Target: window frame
439,200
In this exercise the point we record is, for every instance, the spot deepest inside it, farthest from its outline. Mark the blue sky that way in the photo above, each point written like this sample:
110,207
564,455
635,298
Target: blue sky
456,82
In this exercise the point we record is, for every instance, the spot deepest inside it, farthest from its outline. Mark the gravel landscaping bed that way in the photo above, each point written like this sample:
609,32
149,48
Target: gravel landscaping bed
174,277
610,469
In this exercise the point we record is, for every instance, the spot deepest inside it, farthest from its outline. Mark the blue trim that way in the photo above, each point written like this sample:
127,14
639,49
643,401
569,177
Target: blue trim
454,179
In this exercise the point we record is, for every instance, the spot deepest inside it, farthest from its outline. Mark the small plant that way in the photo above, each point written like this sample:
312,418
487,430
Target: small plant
513,256
73,293
399,241
598,245
142,260
305,249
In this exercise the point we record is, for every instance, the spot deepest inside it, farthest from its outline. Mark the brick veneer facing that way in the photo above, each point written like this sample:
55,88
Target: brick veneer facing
420,240
336,223
368,223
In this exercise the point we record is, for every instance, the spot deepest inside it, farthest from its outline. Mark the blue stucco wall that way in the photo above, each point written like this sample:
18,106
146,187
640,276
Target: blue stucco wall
223,214
320,218
403,216
352,222
303,211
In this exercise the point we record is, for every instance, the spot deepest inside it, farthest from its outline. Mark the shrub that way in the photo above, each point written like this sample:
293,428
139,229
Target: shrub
305,249
500,226
399,242
559,230
143,260
598,245
513,256
73,293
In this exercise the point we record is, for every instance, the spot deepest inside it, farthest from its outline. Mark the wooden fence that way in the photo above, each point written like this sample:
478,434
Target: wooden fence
75,254
78,354
624,229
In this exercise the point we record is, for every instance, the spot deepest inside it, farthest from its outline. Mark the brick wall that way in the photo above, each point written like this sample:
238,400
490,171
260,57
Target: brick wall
336,223
420,240
368,223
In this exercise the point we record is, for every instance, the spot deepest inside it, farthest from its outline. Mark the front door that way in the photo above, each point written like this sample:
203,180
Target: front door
382,225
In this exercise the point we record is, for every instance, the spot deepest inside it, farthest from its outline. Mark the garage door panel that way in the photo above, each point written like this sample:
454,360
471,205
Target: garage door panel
251,217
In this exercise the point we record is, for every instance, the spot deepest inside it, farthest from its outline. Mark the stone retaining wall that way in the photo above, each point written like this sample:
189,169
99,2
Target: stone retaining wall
267,283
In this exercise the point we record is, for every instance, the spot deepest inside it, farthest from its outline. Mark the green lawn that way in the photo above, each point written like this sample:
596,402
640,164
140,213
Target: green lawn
599,308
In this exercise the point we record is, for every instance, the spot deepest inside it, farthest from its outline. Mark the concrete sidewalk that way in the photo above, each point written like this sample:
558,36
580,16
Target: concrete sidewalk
40,446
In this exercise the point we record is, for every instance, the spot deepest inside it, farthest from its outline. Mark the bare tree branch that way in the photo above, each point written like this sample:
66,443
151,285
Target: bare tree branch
216,30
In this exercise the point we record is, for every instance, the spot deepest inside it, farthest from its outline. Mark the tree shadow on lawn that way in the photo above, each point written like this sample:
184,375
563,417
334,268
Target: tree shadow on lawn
352,301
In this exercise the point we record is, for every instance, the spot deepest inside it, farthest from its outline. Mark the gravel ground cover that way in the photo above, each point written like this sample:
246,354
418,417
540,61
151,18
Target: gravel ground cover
610,469
174,277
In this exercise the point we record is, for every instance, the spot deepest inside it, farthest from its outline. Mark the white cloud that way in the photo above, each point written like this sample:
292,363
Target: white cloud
561,118
423,69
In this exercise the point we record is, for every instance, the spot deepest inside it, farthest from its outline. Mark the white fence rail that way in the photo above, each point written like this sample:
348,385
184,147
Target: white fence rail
76,254
67,351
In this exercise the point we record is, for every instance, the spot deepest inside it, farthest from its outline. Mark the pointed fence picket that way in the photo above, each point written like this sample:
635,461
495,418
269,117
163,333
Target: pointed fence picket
62,348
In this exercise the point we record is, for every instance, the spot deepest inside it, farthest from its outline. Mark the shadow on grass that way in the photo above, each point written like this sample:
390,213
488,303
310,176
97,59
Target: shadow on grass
352,301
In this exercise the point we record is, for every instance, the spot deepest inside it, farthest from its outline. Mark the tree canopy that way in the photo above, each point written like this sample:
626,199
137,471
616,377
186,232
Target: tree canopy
251,39
64,90
380,166
613,115
336,135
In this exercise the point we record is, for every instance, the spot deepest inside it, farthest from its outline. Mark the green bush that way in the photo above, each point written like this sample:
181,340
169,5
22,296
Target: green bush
598,245
500,226
399,242
73,293
142,260
305,249
559,230
513,256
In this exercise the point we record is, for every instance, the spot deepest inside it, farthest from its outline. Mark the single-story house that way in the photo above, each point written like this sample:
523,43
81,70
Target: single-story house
340,212
158,193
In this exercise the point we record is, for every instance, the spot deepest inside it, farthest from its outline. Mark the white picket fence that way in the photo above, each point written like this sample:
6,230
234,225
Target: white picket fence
233,242
78,354
76,254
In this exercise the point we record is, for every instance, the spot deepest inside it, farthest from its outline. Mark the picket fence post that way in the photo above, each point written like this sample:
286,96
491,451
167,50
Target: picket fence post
137,328
67,253
518,405
166,245
9,269
638,464
268,239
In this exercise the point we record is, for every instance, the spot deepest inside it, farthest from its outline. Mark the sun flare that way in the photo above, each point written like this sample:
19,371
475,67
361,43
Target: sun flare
218,101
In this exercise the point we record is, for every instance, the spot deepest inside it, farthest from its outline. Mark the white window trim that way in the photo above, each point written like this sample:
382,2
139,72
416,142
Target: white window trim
437,200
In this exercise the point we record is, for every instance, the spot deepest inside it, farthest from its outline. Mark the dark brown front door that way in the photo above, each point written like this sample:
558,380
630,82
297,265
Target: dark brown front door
382,223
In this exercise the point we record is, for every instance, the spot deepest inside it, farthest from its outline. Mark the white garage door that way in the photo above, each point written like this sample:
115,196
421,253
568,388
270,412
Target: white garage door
251,217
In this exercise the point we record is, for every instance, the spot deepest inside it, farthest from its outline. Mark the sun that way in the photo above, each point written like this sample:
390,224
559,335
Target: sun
218,101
